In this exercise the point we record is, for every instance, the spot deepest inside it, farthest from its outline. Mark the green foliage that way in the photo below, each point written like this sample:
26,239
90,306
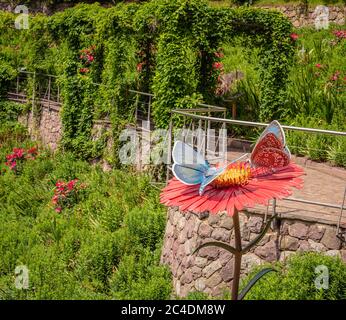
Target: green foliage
7,73
161,46
83,252
295,280
317,146
140,278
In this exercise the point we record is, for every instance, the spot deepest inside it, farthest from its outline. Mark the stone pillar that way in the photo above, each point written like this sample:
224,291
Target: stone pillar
211,269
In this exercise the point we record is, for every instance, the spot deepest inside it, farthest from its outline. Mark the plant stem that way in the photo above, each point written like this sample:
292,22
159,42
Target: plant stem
237,256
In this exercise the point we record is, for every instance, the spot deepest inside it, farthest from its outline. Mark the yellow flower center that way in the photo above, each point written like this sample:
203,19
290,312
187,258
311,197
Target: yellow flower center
236,175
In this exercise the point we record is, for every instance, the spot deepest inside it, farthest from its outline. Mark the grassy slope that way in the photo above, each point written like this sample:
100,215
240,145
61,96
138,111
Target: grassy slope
105,246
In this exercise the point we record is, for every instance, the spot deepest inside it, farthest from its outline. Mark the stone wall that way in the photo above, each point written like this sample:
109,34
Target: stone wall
211,269
301,16
47,128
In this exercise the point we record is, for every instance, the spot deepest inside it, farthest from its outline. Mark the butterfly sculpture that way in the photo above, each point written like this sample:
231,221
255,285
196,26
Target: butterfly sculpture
270,152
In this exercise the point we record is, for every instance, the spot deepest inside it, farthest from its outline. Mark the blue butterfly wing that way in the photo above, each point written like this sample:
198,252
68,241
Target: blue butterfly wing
184,154
275,128
189,174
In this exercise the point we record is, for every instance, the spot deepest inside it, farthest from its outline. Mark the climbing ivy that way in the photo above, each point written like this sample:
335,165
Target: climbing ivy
169,48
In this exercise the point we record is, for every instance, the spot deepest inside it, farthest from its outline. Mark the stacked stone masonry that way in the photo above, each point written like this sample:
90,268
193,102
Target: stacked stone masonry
300,16
211,269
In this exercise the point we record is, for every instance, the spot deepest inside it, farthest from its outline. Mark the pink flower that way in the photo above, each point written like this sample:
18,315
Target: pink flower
294,36
318,65
58,209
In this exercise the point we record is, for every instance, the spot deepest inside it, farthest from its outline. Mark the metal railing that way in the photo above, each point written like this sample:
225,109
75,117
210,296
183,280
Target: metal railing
224,121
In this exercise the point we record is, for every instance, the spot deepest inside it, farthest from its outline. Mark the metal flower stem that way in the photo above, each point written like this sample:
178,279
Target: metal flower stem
237,256
238,251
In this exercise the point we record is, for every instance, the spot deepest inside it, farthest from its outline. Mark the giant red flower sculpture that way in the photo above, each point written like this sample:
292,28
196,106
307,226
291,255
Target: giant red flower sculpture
240,186
197,186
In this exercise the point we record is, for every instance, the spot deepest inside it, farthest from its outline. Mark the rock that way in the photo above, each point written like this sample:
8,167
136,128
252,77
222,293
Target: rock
196,272
200,284
214,219
246,234
201,262
330,240
255,224
316,232
226,272
266,238
284,255
333,253
182,237
186,289
177,287
315,246
181,223
304,246
189,247
204,215
204,230
209,252
224,257
187,262
221,234
187,277
220,290
189,228
343,255
284,228
289,243
213,281
267,252
212,268
226,222
298,230
249,261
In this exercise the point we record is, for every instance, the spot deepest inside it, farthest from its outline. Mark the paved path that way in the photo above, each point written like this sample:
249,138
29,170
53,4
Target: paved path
322,183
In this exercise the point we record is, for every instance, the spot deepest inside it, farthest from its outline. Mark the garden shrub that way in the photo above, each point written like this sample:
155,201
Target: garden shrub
295,279
139,278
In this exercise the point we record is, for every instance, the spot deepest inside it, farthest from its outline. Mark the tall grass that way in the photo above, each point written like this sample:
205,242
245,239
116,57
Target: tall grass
110,240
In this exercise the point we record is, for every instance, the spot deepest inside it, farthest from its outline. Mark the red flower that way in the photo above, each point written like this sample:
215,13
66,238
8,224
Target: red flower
71,184
239,187
294,36
341,34
318,65
58,209
84,70
140,66
217,65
